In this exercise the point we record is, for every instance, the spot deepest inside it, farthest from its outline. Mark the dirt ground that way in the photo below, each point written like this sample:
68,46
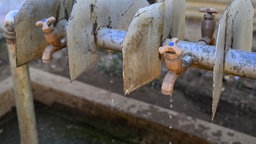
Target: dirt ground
192,95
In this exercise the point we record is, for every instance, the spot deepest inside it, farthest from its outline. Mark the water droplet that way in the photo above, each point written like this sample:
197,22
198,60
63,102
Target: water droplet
112,103
1,130
171,106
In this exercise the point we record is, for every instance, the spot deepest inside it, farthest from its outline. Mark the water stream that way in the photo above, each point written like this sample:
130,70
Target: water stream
171,106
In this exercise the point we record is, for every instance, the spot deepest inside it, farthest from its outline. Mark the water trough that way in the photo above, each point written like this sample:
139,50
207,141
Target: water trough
96,103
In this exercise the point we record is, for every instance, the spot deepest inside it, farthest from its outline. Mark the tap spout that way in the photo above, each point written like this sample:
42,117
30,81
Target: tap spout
168,83
50,49
171,76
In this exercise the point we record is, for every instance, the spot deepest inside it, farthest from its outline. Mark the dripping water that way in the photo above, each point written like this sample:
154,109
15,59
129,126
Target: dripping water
171,106
171,116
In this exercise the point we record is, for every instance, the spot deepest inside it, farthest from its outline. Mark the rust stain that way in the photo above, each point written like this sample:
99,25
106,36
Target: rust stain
92,7
94,30
109,22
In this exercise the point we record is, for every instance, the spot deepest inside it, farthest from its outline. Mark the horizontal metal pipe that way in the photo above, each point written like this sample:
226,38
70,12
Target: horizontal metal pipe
237,62
202,54
110,38
240,63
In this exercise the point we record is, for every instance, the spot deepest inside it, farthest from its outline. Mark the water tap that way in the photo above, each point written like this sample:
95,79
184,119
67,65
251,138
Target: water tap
208,25
54,37
175,63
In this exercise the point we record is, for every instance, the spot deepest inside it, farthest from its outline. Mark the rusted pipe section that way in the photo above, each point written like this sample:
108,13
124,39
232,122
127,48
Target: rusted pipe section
22,87
110,38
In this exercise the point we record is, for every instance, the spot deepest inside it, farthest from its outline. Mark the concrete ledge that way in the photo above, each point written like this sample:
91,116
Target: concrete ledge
50,89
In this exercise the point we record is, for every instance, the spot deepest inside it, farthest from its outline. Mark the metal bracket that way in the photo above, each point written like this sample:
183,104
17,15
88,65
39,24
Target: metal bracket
150,26
86,19
235,30
30,42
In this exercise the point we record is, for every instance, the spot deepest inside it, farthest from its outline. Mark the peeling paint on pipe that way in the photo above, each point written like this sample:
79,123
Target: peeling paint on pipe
110,38
237,62
202,54
240,63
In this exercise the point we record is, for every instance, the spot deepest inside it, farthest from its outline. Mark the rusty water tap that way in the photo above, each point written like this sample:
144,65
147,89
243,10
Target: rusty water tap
208,24
175,63
52,37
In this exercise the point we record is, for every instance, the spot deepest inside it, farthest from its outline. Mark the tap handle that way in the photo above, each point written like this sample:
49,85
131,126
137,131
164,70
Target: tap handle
171,48
47,24
208,10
